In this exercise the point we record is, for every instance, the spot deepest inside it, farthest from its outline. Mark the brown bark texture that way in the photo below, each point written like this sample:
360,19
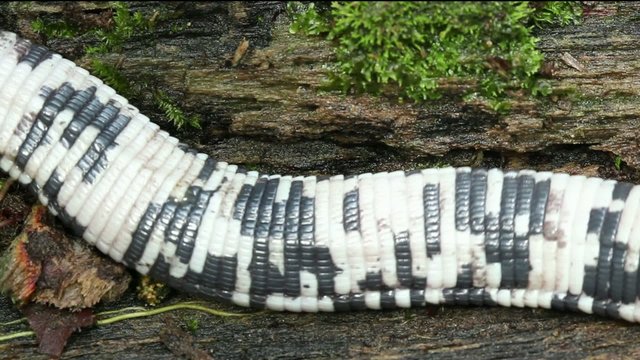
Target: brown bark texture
257,89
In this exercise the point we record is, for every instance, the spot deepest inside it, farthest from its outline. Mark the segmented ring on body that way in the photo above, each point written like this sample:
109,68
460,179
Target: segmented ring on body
385,240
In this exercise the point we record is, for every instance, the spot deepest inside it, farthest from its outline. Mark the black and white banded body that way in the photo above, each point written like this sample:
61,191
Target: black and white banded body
385,240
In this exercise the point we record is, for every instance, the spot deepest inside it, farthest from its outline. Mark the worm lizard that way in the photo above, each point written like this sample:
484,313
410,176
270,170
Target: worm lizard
383,240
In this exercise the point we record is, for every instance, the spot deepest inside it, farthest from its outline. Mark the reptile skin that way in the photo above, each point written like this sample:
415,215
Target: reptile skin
385,240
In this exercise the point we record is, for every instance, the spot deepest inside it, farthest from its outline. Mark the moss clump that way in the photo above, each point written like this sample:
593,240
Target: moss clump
307,20
124,25
56,29
411,46
617,162
556,13
112,77
110,36
192,324
173,112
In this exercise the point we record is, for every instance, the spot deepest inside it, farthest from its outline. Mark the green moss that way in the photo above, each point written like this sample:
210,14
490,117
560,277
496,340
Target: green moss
251,166
408,48
112,77
306,19
432,163
177,27
55,29
126,24
556,13
173,112
192,324
617,162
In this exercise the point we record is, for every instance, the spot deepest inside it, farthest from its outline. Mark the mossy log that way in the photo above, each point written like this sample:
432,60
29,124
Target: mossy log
258,91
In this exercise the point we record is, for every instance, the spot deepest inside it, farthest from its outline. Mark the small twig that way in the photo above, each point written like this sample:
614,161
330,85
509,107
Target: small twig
16,335
185,305
117,311
14,322
177,306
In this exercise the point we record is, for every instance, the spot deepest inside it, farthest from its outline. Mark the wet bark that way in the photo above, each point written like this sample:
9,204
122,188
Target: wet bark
263,107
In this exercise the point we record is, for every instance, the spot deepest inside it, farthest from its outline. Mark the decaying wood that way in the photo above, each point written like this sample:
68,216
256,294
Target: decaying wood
45,266
257,89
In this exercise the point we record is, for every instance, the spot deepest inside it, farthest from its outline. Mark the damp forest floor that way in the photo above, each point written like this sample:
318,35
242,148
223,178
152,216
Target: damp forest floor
250,92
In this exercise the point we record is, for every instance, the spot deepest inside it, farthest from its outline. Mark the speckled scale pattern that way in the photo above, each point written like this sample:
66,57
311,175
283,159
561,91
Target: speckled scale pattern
372,241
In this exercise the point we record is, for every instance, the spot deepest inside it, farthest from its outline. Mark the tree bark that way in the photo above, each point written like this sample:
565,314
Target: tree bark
264,108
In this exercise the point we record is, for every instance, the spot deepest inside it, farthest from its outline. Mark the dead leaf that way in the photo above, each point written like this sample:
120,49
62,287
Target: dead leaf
53,326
